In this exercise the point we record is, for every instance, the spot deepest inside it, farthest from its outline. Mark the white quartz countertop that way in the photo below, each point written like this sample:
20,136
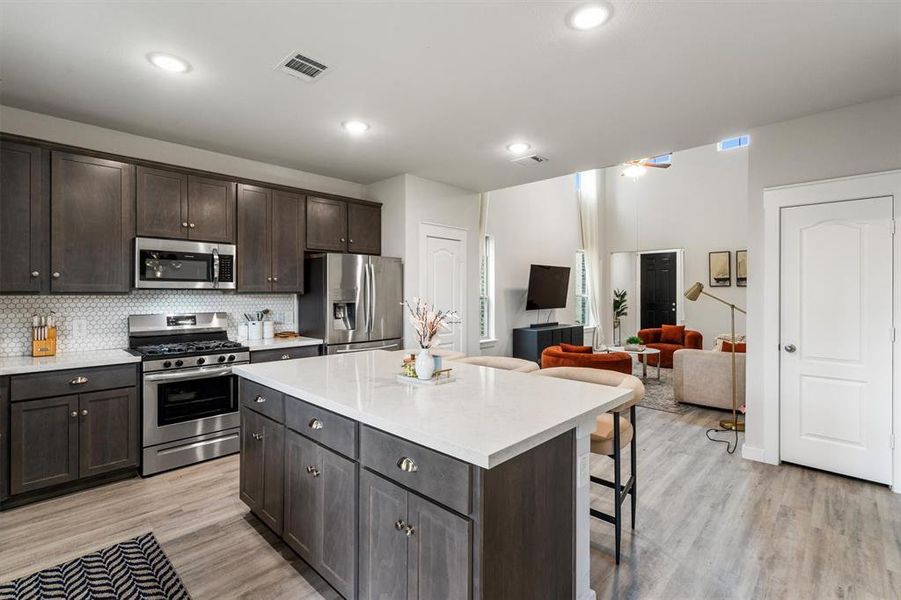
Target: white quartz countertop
17,365
484,417
277,343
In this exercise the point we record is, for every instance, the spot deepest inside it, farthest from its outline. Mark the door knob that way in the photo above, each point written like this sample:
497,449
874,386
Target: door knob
790,348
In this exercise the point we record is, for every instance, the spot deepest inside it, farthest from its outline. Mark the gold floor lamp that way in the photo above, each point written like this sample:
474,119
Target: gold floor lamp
693,293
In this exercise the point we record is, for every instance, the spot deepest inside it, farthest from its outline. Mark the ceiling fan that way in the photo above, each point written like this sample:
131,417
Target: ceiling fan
637,168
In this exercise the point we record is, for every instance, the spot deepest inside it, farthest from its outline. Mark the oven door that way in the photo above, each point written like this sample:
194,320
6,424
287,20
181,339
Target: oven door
193,402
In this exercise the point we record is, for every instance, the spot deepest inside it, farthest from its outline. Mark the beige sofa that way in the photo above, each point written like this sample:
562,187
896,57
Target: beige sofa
705,377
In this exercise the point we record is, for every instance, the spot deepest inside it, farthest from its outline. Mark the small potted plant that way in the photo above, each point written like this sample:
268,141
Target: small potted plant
427,323
635,344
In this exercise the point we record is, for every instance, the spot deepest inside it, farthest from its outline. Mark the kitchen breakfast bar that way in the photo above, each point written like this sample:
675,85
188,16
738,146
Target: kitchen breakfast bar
476,488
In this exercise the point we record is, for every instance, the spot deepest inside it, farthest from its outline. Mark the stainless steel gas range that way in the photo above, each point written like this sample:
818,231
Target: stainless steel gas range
190,395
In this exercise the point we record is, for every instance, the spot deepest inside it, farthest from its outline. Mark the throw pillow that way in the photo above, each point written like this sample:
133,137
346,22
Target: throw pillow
672,334
740,348
576,349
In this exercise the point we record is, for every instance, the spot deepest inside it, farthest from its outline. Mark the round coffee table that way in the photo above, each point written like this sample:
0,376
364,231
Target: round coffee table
644,363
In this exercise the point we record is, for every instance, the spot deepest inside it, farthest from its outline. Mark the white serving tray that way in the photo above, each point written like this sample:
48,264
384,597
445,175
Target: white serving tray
432,381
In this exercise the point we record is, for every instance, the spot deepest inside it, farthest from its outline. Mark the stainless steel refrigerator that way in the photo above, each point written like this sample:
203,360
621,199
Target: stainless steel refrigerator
353,302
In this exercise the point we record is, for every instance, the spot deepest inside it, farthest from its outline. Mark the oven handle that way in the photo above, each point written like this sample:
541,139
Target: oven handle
215,267
192,374
352,350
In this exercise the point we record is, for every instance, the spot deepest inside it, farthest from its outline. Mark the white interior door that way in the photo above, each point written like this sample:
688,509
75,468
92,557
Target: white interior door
836,337
442,277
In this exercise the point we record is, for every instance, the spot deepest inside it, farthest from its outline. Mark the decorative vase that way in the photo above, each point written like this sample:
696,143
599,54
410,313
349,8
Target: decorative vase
425,364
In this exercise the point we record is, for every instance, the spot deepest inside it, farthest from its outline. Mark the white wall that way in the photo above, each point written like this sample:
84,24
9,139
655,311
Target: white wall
73,133
623,277
533,223
699,205
409,201
864,138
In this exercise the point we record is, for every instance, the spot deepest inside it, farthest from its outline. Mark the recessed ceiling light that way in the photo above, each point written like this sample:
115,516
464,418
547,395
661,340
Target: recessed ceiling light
518,147
634,171
355,127
168,62
589,16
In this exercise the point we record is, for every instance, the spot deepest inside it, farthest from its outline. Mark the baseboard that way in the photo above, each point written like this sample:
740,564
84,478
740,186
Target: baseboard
753,453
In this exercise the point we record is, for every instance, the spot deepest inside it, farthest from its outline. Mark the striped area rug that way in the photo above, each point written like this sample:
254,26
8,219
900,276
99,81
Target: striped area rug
137,569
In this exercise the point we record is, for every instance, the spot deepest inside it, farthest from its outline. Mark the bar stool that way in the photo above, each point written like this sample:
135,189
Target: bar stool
505,363
612,433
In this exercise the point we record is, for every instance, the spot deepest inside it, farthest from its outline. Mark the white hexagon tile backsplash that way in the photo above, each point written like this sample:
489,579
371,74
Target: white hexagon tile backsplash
101,322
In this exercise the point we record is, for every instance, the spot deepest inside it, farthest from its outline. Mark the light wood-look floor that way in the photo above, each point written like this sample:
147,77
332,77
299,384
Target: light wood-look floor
710,525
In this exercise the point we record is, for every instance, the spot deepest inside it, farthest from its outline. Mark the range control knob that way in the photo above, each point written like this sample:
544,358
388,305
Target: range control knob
179,363
231,357
221,358
200,361
167,364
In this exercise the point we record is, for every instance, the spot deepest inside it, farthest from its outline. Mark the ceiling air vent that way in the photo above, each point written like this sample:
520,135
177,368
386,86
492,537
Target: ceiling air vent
302,67
532,160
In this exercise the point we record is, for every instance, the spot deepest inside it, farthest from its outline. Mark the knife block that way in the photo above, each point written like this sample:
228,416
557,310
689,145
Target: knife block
45,347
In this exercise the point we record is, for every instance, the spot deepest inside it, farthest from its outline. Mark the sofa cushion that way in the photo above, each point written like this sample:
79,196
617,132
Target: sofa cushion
672,334
741,347
577,349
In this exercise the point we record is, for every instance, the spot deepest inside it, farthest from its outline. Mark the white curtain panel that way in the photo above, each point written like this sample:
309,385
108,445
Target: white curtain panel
483,224
588,196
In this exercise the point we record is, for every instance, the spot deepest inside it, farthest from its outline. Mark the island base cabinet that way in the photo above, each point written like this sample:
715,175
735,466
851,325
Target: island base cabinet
411,548
321,509
262,467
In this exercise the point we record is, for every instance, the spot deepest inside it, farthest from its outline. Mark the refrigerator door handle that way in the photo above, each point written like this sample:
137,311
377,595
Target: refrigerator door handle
353,350
371,297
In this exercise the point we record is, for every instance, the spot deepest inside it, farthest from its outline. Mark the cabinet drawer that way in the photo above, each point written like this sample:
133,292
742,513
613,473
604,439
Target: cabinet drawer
258,356
331,430
72,381
263,400
435,475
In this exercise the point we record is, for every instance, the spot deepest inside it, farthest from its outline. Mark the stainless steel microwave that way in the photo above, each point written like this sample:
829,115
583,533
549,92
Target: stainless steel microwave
184,265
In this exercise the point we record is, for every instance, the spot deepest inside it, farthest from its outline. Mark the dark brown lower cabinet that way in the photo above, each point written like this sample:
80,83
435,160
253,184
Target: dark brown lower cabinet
108,431
410,547
321,509
63,438
4,439
44,443
262,467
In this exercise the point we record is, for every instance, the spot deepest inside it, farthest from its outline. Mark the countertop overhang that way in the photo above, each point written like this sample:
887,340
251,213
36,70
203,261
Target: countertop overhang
484,417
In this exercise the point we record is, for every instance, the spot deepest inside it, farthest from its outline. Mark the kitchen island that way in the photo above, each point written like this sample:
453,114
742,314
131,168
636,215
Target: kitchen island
477,488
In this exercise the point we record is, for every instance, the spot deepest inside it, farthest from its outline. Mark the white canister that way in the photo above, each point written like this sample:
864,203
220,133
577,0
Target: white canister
242,331
268,330
254,330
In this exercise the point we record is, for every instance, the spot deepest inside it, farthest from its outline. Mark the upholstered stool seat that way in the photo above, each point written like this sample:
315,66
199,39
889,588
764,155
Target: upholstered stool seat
602,438
505,363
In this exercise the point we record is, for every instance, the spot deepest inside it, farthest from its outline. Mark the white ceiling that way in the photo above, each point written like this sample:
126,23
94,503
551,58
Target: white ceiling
446,85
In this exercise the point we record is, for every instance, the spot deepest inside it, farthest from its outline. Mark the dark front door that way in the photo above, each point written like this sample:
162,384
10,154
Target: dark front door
658,289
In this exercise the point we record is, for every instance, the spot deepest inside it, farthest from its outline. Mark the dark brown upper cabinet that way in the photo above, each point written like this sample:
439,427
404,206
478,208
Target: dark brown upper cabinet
176,205
211,210
162,203
92,224
364,228
326,224
270,240
24,220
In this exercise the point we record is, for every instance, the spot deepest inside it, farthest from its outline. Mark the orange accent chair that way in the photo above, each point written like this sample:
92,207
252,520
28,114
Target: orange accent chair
578,356
652,339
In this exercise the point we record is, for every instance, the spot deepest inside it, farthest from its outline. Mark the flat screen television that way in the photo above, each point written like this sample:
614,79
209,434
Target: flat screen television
548,287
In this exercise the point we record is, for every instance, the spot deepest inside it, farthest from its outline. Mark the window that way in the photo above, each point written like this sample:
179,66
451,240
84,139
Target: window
583,310
486,290
734,142
663,159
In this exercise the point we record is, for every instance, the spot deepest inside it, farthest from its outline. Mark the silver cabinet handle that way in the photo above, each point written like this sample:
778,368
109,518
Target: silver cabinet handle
80,380
286,356
275,279
269,279
409,530
259,399
315,424
313,471
407,465
790,348
351,240
184,223
56,274
340,239
35,273
257,436
191,225
400,525
84,412
74,413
